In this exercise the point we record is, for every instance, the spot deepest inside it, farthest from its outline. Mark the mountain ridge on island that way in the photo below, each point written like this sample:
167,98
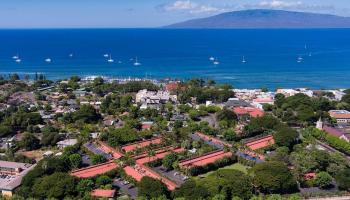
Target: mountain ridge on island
265,19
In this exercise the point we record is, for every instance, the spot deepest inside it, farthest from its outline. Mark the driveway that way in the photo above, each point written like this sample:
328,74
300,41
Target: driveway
211,119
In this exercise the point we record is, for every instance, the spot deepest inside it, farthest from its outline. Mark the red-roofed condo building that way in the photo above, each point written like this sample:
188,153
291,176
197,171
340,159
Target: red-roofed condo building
205,159
260,143
95,170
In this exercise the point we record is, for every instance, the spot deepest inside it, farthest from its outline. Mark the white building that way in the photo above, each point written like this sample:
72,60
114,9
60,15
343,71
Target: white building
338,95
65,143
292,92
154,97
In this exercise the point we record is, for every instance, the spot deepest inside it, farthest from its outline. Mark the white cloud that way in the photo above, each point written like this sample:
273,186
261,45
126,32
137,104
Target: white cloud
181,5
292,5
191,7
278,4
195,8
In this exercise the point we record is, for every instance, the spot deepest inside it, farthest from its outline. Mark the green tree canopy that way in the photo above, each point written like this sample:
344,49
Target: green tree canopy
151,188
87,114
58,185
30,142
285,136
274,177
75,160
229,183
343,179
323,180
191,190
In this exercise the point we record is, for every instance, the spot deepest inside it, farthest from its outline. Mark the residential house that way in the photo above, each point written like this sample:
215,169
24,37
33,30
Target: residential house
153,99
68,142
260,102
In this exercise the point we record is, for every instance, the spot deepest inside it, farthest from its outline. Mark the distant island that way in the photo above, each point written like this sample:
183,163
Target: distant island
262,18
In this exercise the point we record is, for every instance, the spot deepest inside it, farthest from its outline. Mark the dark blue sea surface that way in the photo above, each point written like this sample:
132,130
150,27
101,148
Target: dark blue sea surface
271,55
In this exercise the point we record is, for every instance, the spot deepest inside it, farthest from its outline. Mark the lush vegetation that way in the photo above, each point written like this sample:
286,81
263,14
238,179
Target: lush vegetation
301,109
274,177
38,128
203,91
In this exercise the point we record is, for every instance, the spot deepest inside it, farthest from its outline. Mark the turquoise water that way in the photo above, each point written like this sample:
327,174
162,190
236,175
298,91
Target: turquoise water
271,55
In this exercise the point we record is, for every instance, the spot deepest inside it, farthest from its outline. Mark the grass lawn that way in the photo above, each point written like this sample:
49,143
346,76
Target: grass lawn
236,166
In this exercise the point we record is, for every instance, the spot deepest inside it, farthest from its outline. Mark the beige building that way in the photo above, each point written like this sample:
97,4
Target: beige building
342,116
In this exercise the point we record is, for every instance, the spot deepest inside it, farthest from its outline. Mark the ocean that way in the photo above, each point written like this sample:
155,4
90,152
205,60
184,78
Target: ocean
313,58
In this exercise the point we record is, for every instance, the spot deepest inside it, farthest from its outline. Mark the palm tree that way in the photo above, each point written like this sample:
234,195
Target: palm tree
150,154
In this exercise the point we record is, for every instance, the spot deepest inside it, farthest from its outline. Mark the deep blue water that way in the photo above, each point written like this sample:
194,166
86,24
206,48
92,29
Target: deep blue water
271,55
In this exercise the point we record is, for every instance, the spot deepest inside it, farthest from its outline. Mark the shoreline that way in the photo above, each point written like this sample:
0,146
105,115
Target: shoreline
159,81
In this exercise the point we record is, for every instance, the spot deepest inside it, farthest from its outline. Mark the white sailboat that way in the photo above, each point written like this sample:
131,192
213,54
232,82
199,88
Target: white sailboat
300,59
105,55
216,62
211,58
15,57
48,60
71,55
137,63
110,60
243,60
18,60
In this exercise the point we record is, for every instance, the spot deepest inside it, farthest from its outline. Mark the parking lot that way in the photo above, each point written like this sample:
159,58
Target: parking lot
173,175
125,187
94,149
6,179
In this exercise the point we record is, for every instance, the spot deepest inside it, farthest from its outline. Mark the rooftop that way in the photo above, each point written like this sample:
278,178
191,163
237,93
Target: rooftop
103,193
253,112
94,170
205,159
340,114
11,182
260,143
14,165
141,144
335,132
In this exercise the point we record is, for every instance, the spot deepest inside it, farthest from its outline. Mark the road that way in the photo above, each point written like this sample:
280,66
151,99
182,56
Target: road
331,198
331,149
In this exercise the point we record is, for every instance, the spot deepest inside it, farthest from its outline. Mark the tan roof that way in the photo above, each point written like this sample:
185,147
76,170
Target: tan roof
14,165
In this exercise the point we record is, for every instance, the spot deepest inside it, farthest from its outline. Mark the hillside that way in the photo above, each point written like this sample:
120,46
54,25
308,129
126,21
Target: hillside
266,19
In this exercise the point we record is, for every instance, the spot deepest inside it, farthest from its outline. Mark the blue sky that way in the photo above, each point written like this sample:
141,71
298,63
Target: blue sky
140,13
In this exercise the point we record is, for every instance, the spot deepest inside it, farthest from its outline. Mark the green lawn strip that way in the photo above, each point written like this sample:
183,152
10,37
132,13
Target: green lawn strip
236,166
